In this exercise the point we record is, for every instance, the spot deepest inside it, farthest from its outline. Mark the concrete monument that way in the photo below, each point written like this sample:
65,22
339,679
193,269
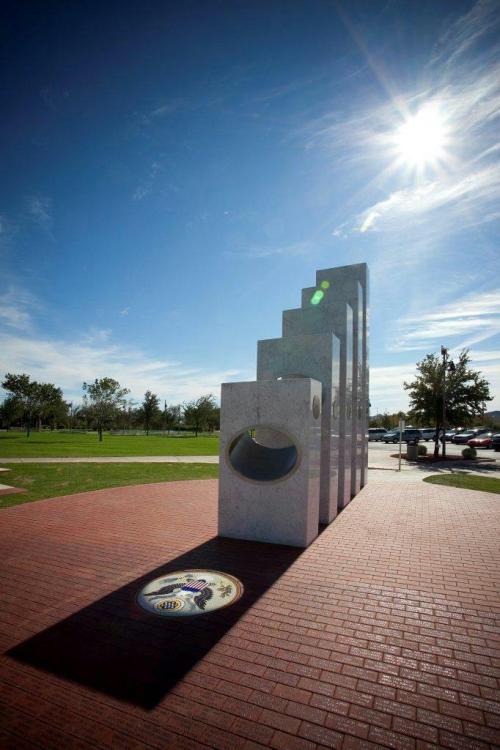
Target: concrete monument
280,474
270,461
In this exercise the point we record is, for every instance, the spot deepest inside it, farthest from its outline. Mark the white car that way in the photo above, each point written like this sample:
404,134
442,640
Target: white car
428,433
376,433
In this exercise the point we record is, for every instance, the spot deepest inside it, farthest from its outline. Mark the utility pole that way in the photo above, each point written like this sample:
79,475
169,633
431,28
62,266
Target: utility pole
444,352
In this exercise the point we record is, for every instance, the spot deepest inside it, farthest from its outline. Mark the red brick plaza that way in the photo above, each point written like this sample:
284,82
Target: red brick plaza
381,634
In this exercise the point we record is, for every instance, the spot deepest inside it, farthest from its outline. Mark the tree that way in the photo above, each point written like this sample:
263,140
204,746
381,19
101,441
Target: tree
103,398
26,392
198,413
213,421
10,411
461,390
50,404
171,416
150,409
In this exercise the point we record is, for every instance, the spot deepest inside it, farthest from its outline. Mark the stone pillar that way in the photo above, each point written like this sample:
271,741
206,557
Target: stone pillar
351,284
270,461
337,318
315,356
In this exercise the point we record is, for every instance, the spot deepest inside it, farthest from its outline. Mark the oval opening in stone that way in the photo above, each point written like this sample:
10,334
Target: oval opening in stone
263,454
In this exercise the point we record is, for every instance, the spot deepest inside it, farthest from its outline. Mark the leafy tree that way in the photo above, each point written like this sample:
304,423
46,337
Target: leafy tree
213,421
103,398
198,413
171,416
127,415
25,392
75,413
464,391
10,411
150,409
50,404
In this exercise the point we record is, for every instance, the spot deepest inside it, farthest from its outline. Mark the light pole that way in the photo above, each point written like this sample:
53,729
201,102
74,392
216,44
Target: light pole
451,367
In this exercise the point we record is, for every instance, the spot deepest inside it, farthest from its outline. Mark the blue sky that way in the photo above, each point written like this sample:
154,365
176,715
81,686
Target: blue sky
174,173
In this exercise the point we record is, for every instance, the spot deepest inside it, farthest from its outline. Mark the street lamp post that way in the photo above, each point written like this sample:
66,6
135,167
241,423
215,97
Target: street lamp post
451,367
444,352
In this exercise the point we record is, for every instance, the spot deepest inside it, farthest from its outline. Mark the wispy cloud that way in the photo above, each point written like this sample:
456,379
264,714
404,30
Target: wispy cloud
467,32
462,323
386,387
256,252
470,198
16,306
462,188
164,110
40,210
69,363
146,185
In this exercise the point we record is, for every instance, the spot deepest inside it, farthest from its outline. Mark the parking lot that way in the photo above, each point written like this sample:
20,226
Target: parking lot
380,457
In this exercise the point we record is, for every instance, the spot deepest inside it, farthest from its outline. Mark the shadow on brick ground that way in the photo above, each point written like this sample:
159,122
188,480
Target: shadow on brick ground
113,646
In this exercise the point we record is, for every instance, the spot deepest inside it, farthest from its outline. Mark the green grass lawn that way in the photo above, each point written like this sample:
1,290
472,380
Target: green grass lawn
467,482
51,480
61,444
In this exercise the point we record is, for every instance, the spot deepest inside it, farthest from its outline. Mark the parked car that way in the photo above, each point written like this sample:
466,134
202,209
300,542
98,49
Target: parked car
408,434
481,441
376,433
461,438
391,437
495,441
428,433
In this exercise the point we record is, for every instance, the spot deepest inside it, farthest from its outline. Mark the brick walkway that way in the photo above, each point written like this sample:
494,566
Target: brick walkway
381,634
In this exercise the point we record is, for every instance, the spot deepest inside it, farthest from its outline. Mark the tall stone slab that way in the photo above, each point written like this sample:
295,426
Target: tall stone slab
337,318
270,461
351,283
318,357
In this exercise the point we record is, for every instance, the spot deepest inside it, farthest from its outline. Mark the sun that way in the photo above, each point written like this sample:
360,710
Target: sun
421,140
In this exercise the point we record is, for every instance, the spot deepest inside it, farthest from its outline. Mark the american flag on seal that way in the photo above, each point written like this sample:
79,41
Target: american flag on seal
198,585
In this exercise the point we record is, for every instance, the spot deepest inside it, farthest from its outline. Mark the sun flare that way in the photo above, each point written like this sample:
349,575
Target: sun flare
421,140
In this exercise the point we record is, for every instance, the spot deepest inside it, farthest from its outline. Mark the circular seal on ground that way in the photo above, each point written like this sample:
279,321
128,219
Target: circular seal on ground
189,592
168,605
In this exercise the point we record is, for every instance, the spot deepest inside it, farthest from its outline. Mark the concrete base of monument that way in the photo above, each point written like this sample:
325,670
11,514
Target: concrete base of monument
270,461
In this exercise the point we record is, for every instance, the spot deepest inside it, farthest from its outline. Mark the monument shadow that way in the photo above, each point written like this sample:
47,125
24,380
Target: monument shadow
115,647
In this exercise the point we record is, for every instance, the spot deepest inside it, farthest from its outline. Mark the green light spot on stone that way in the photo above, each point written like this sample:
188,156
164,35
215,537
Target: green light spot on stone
317,297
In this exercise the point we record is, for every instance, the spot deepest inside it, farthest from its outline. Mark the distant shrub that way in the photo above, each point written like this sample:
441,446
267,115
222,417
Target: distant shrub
469,452
422,450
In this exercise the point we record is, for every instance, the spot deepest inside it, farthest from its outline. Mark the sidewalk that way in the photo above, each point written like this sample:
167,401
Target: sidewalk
380,634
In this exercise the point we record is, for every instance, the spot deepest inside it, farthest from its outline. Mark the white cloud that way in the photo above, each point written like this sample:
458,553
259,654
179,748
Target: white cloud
469,320
470,199
261,251
386,387
370,218
467,31
462,188
69,363
484,356
15,305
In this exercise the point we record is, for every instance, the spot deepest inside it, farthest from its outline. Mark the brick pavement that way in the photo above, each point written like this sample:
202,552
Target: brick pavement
381,634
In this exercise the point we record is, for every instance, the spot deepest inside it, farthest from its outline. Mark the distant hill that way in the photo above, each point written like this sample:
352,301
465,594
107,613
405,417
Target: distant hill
494,415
